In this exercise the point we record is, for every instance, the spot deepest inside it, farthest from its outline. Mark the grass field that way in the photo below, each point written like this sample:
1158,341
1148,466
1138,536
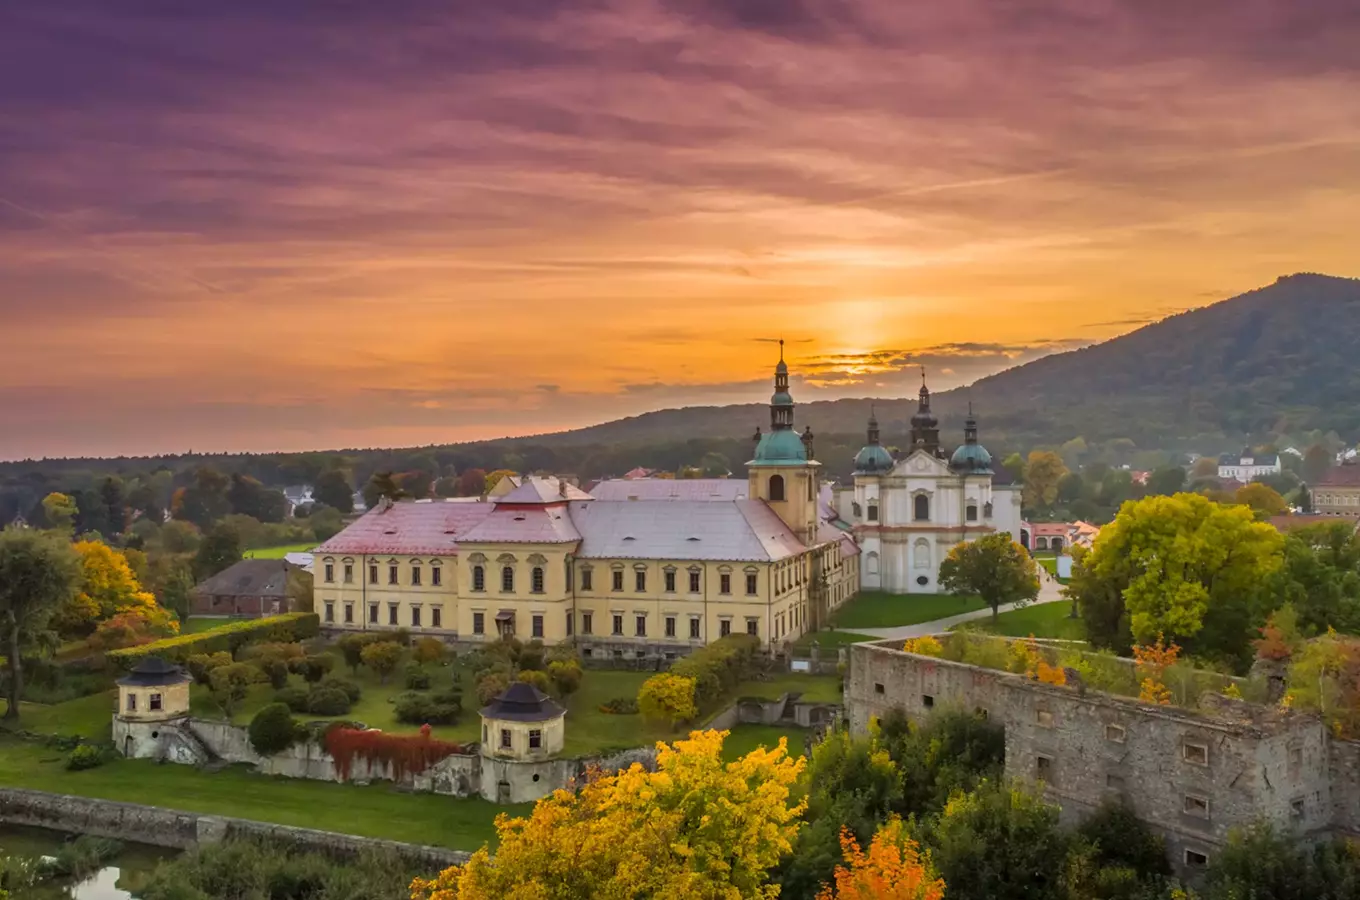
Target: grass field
197,624
874,609
745,738
280,552
813,688
828,640
1045,620
371,811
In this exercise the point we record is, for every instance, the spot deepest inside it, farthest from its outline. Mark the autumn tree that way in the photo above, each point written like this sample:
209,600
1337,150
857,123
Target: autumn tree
1261,498
696,827
894,868
472,483
1180,566
109,588
39,573
60,510
1204,467
1044,470
995,568
332,488
382,657
667,698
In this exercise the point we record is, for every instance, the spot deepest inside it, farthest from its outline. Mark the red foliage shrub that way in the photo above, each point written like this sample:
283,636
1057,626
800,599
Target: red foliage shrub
407,754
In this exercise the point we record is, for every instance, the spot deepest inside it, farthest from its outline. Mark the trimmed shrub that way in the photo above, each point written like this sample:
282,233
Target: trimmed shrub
538,679
566,676
86,756
273,729
667,698
442,708
620,706
227,638
417,679
275,669
314,667
531,656
201,665
490,686
339,683
382,657
325,701
429,650
719,667
295,698
351,648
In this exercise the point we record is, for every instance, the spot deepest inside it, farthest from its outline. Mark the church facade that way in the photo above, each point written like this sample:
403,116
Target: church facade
907,513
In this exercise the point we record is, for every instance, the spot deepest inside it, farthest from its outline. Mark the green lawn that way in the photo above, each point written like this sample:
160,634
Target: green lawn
88,717
197,624
813,688
280,552
875,609
1045,620
827,641
371,811
745,738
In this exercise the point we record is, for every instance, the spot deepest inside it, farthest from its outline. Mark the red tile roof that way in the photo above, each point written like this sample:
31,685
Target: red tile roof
1341,476
429,529
516,524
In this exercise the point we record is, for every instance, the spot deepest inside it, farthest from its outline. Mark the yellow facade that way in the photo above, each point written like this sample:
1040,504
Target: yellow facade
153,703
522,741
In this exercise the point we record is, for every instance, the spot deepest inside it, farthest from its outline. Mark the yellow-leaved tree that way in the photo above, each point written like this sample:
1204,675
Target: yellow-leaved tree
108,588
893,869
667,698
695,828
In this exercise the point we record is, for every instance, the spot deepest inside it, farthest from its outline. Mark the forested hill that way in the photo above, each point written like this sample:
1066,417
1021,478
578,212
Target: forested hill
1281,359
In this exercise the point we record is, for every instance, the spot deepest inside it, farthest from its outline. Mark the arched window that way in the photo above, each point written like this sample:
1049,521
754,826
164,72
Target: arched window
776,488
855,510
537,580
970,512
1056,543
987,510
479,578
871,564
873,511
1041,543
922,508
508,579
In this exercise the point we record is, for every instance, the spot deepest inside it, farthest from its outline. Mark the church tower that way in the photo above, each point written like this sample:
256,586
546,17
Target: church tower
925,428
783,472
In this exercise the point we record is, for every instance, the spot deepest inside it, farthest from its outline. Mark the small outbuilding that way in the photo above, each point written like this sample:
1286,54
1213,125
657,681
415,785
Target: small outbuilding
523,723
252,587
153,692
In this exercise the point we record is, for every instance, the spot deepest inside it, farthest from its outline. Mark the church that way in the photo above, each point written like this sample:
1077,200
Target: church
908,513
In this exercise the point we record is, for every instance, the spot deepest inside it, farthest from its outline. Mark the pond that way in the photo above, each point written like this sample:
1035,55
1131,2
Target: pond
116,878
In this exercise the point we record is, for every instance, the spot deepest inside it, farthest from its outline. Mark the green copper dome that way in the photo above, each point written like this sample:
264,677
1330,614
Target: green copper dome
971,458
781,398
873,460
779,448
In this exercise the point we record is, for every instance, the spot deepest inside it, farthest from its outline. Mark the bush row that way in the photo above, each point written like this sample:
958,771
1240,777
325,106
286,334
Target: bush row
719,667
226,638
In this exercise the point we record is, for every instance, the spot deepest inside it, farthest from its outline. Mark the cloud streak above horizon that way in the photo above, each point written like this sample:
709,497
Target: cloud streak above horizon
260,225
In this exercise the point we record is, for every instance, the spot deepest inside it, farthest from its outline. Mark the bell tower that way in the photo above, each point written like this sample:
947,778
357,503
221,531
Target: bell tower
783,472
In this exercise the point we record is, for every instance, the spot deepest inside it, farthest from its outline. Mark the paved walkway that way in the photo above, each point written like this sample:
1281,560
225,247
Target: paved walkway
1049,592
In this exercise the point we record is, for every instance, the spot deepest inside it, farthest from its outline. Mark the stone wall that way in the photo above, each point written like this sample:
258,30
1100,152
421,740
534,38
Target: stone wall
1192,775
162,827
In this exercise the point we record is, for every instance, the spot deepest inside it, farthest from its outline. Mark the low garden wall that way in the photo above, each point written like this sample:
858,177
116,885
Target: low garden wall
181,830
755,711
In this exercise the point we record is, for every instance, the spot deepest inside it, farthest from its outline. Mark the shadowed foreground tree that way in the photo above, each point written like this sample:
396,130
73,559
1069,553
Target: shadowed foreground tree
697,827
39,573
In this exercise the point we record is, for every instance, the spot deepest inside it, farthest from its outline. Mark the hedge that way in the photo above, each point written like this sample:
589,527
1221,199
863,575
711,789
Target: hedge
230,638
719,667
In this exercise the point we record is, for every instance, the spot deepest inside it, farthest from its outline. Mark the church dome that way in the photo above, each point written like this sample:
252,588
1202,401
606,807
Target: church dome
780,447
873,460
971,458
781,398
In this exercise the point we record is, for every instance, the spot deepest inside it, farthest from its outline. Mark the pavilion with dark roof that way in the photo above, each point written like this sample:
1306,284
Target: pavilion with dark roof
523,723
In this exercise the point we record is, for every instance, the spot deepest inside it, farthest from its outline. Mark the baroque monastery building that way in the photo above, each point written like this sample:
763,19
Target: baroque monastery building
643,567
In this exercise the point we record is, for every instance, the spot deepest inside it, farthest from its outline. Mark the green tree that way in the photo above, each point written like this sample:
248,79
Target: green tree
113,496
382,484
333,488
995,568
1181,566
1262,862
1320,577
1317,461
248,497
273,730
382,657
1167,480
221,549
326,523
1015,465
951,753
60,510
230,684
205,501
1043,472
39,573
1262,499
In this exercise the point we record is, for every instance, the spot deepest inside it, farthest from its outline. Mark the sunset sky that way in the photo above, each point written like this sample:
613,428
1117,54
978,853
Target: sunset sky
290,225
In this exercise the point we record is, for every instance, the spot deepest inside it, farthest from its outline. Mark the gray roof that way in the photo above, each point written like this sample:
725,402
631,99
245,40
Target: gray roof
736,531
522,702
1257,459
671,489
152,672
251,577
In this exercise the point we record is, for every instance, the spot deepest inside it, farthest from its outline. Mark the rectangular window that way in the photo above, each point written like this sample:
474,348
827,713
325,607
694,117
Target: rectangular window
373,614
505,738
1044,718
1196,860
618,580
436,576
1115,733
415,617
155,702
694,629
507,580
753,626
349,613
725,583
415,576
1296,808
928,701
751,583
640,581
670,582
1196,754
618,624
330,612
478,579
392,575
571,623
587,581
724,627
372,574
330,573
349,573
1043,768
436,617
670,626
571,578
479,623
1195,806
392,613
878,687
641,626
694,582
586,623
132,703
535,739
536,623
